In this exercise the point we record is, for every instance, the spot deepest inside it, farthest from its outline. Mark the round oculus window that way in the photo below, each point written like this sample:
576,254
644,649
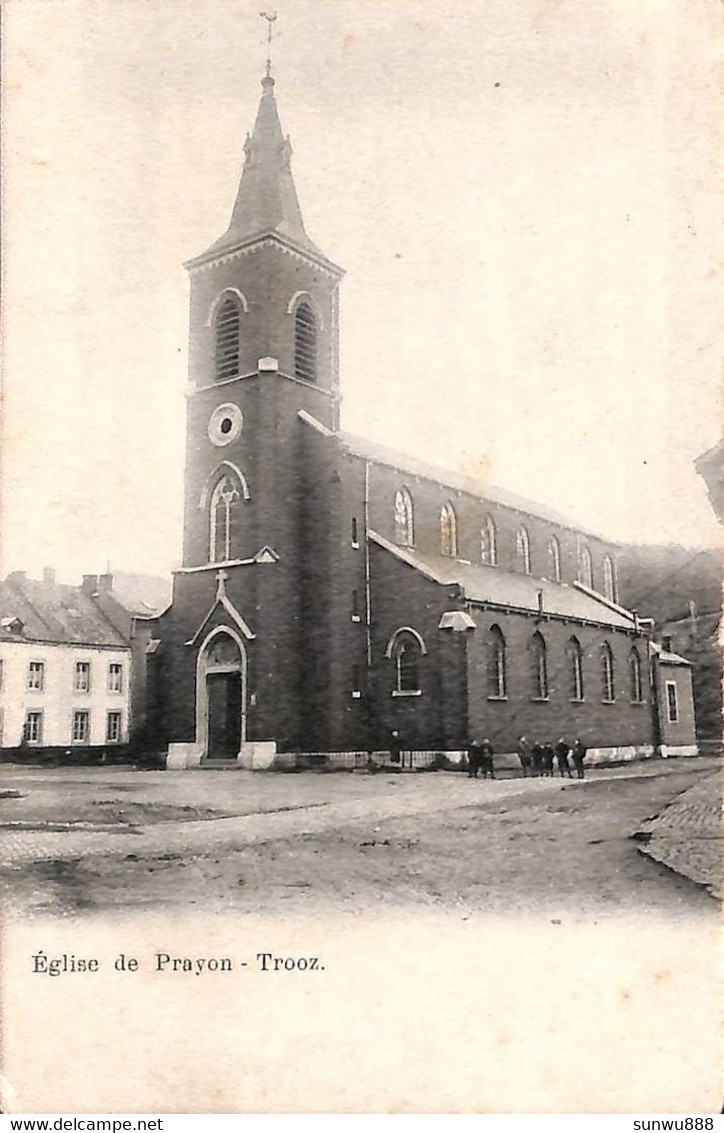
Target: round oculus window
225,424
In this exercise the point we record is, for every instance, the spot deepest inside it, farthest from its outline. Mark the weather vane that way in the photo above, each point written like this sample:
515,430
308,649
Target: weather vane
270,17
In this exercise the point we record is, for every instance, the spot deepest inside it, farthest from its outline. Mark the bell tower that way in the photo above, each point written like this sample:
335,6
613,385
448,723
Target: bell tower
263,346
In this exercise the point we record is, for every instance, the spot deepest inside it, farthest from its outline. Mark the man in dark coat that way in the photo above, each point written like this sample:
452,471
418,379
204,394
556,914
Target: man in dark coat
474,759
486,759
536,758
578,755
547,760
395,747
524,754
562,751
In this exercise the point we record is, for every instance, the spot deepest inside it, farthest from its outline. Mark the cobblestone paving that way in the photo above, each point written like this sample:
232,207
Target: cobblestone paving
687,835
188,837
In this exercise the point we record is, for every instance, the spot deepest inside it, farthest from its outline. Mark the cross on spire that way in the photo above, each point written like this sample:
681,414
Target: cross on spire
270,17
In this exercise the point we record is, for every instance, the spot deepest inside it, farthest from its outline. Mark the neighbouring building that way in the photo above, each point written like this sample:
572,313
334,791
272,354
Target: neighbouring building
72,665
332,590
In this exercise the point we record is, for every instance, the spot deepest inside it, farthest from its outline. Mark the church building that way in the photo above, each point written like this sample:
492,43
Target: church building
333,591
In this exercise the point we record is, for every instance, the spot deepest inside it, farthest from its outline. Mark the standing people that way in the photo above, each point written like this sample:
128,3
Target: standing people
536,758
486,758
562,752
524,755
578,754
473,753
395,747
547,760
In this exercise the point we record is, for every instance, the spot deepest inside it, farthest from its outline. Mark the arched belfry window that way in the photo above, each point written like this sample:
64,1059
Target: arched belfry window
227,327
585,567
448,531
522,550
634,668
554,556
496,673
538,667
305,343
574,655
223,506
404,519
609,579
608,686
406,648
488,543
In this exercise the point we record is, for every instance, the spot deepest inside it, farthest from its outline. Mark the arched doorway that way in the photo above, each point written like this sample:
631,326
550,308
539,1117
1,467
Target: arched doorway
221,695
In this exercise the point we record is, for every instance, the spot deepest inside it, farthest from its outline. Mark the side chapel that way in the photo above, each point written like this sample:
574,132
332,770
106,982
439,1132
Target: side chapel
333,590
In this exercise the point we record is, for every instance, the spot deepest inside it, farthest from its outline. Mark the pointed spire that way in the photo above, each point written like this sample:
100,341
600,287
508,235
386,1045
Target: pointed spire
267,199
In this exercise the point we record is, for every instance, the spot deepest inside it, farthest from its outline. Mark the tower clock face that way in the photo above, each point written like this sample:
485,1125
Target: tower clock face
225,424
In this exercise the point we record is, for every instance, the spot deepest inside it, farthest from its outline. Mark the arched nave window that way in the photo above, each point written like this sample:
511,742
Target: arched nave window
305,343
488,544
607,676
554,555
574,655
223,507
406,648
404,519
634,668
448,531
227,327
538,667
496,674
609,579
522,550
585,567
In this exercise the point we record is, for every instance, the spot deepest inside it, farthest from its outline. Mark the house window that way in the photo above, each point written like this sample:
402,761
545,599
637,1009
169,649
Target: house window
496,676
305,343
81,727
355,537
36,676
574,654
488,546
522,550
355,606
539,667
672,702
115,677
634,663
585,567
609,579
406,649
82,676
609,688
224,501
554,555
404,519
113,728
228,340
356,690
33,730
448,531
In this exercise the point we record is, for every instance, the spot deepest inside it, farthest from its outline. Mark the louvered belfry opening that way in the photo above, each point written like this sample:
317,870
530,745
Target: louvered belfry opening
305,343
227,340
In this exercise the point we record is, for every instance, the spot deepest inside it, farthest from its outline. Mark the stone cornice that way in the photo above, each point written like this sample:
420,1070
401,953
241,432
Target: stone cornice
214,258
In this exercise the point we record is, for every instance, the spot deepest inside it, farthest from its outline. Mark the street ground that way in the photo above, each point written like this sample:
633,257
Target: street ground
79,841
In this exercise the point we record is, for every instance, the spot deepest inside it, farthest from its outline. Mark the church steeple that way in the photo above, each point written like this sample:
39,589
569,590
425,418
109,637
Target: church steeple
266,201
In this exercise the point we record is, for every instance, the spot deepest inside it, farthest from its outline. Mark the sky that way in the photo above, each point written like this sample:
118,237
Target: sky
521,192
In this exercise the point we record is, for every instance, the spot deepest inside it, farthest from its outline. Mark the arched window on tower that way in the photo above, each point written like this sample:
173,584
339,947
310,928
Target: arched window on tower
609,579
522,550
496,674
538,667
228,339
634,669
554,557
608,686
574,655
224,504
404,519
448,531
305,343
406,648
488,543
585,567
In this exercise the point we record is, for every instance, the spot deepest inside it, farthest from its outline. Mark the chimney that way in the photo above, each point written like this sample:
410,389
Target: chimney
540,602
18,576
105,583
48,576
666,642
89,585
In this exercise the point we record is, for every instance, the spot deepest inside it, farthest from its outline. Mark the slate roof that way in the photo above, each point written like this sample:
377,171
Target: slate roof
668,658
144,595
508,589
55,612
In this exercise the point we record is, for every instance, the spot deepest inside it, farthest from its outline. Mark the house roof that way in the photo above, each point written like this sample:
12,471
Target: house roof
54,612
380,454
144,595
666,657
491,585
